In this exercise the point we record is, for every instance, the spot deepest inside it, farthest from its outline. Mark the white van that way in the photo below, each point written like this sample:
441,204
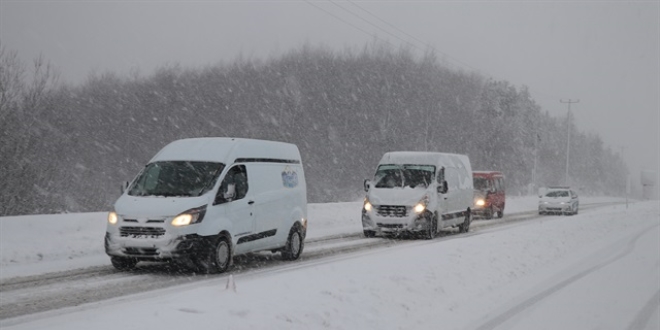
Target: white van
418,192
202,201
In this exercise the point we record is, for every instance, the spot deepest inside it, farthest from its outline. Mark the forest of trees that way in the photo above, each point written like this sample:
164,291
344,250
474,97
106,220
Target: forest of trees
67,148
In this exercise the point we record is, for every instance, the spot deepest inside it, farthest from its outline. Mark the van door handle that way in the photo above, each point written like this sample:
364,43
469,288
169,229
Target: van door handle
251,202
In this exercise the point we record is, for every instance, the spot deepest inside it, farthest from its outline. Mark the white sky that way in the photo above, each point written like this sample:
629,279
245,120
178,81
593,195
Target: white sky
596,270
605,53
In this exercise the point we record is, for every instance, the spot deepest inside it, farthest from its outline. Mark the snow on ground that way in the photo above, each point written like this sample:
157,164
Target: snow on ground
599,269
37,244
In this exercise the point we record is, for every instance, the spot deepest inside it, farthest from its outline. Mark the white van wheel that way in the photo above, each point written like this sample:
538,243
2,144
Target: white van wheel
432,228
465,227
121,263
218,259
294,244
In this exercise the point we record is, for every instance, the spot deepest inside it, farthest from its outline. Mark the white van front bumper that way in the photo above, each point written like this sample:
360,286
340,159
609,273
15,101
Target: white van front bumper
394,219
161,248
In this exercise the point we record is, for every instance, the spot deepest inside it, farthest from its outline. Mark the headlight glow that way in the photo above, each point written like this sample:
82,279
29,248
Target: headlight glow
191,216
480,202
367,206
421,206
112,218
182,220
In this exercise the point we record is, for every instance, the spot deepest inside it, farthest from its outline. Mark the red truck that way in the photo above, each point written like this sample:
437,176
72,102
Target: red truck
489,194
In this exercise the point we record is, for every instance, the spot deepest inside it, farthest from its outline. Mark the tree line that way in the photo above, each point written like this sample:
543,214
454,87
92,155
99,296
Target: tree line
67,148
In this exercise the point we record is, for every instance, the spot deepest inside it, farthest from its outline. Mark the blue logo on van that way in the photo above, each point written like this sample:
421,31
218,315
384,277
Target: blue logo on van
289,178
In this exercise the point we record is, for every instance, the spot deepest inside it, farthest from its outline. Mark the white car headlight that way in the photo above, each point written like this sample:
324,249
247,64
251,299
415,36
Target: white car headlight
480,202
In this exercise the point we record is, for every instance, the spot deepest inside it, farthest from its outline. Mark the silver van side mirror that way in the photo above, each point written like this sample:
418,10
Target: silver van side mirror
367,184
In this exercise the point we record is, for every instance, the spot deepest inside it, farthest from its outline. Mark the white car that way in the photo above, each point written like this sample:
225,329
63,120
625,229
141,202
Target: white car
559,200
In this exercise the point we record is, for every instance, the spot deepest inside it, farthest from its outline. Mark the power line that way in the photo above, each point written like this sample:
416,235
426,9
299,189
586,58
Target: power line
446,55
337,17
413,37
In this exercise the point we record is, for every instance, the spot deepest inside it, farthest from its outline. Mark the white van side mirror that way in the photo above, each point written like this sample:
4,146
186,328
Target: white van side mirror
231,191
442,189
124,186
367,184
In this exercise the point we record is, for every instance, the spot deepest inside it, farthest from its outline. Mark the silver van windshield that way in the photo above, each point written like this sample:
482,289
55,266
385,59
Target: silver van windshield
400,176
176,179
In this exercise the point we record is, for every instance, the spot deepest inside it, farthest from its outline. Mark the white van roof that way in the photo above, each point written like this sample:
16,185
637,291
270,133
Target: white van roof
227,150
426,158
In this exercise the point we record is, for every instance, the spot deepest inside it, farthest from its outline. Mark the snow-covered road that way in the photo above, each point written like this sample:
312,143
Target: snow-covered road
599,269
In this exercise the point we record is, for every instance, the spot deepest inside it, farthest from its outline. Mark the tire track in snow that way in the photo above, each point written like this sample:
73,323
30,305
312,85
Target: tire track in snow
642,319
522,306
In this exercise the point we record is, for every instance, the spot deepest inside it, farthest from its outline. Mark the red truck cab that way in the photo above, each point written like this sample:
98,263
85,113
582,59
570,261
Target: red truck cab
489,194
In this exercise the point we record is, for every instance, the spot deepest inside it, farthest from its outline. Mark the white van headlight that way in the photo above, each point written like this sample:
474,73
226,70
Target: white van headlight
480,202
421,206
190,217
367,205
112,218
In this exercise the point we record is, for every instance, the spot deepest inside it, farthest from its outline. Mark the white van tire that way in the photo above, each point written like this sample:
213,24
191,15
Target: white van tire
218,258
432,230
369,233
123,263
294,244
465,226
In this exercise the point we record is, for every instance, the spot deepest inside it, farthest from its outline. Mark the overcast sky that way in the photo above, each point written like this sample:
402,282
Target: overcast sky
604,53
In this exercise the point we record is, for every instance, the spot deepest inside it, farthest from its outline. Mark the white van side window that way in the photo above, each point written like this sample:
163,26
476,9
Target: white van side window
236,175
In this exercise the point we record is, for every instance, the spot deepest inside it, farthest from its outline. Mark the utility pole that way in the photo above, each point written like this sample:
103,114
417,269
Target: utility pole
625,186
568,135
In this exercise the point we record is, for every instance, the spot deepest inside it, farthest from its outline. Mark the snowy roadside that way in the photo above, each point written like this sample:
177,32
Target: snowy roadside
598,269
37,244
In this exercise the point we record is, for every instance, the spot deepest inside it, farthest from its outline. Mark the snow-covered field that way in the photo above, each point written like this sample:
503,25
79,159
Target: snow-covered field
599,269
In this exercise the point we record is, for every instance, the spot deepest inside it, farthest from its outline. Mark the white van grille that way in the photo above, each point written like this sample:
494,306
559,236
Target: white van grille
392,211
141,231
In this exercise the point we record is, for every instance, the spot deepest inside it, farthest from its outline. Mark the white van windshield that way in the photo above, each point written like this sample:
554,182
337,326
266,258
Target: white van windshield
400,176
176,179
